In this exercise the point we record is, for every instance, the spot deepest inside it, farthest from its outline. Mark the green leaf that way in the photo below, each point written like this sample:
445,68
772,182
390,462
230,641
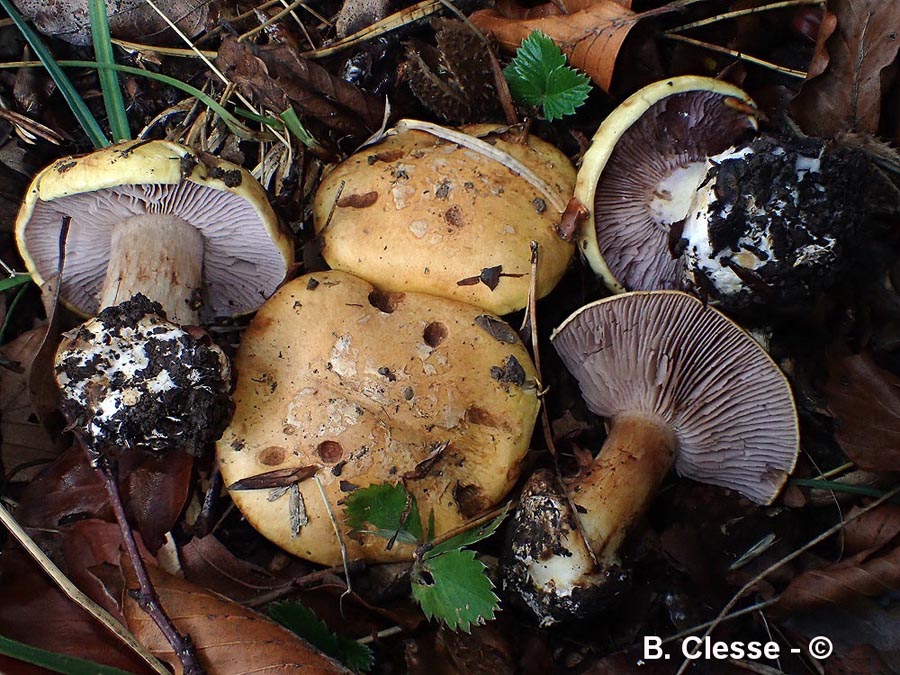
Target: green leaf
79,108
301,620
539,76
453,588
58,663
386,511
468,537
109,80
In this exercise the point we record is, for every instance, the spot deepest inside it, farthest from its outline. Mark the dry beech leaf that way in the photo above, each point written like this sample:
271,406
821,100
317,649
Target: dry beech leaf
870,573
872,529
865,402
279,77
858,39
590,35
26,446
230,639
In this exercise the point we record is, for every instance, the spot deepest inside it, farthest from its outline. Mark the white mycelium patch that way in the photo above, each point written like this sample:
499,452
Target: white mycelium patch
112,369
755,248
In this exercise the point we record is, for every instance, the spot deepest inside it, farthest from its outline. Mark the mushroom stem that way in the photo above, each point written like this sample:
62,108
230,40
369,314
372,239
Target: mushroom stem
616,490
160,256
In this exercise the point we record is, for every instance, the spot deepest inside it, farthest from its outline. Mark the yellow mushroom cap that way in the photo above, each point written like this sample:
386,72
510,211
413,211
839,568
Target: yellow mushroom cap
418,213
246,253
365,385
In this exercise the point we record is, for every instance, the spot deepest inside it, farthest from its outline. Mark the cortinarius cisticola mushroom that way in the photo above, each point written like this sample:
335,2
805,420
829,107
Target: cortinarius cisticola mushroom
154,217
421,213
681,385
372,387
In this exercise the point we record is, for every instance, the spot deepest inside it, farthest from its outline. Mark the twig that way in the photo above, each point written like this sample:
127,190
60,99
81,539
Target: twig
387,632
743,12
345,559
734,615
274,19
738,55
75,595
788,558
146,596
532,319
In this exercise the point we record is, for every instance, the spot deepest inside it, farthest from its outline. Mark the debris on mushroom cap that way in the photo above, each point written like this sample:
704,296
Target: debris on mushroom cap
668,354
548,568
245,253
779,221
365,385
643,166
417,213
130,379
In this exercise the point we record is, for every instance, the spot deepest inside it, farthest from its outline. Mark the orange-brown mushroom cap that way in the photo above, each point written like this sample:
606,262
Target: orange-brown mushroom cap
365,385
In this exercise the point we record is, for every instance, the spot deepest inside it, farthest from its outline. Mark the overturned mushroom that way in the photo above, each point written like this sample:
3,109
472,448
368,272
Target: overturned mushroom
681,385
153,217
642,169
419,213
372,387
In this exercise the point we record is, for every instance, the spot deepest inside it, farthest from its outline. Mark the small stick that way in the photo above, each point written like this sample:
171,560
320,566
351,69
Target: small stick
146,596
743,12
738,55
532,319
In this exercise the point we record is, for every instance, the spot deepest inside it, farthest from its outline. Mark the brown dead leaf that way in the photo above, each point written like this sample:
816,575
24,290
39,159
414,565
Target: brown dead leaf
858,40
26,447
590,35
36,612
865,402
872,530
869,573
279,77
207,560
230,639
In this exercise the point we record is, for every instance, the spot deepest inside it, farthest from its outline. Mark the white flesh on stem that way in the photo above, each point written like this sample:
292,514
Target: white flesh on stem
160,256
619,486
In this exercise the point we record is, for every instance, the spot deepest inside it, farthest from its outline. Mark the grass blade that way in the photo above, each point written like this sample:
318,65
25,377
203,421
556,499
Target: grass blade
79,108
58,663
109,79
12,282
836,486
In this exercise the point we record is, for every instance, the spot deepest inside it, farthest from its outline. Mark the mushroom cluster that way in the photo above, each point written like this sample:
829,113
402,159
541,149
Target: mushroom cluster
681,386
452,217
681,196
367,387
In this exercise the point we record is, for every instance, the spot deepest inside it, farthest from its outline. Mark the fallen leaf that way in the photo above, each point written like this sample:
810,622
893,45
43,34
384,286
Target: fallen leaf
843,90
865,402
590,35
26,447
207,560
229,639
873,529
36,612
870,573
279,78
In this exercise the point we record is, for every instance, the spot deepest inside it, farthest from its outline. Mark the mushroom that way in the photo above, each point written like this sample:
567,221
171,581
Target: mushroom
369,387
420,213
681,385
156,218
132,380
644,164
